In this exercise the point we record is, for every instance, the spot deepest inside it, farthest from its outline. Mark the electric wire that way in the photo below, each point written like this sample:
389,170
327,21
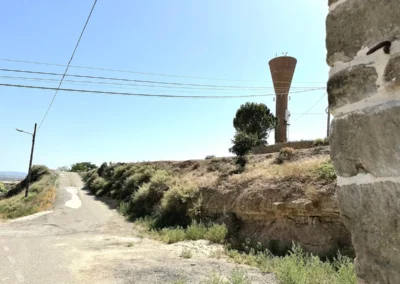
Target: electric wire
144,95
66,69
136,72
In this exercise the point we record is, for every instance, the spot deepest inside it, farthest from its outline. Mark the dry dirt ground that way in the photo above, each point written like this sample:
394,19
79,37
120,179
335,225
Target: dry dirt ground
84,240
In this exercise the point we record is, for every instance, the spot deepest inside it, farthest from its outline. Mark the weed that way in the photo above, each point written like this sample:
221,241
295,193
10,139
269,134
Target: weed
170,236
285,154
326,172
216,233
186,253
196,231
300,268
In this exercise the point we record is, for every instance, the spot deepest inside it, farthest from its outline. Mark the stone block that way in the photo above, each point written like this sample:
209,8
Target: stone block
367,141
355,24
351,85
371,212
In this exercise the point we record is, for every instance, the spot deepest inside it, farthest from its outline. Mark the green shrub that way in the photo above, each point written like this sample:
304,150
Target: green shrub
175,205
196,231
83,167
326,172
300,268
98,184
145,200
216,233
175,235
124,208
243,143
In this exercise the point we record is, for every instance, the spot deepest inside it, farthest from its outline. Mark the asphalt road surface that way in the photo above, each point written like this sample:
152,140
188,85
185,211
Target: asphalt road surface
84,240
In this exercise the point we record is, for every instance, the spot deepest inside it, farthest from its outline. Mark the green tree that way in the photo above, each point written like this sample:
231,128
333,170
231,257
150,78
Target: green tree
83,167
243,143
255,119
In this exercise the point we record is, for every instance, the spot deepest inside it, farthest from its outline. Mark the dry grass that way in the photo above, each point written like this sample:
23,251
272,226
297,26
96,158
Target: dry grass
40,198
267,171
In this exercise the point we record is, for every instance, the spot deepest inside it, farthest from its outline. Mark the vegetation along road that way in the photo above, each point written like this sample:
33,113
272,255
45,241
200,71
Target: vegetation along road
84,240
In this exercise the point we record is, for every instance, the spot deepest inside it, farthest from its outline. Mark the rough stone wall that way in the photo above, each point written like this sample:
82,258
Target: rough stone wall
364,96
305,144
267,214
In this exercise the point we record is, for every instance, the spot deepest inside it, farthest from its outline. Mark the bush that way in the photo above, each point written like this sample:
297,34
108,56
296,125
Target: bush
196,231
98,185
170,236
124,208
327,172
149,194
175,204
321,142
285,154
83,167
300,268
243,143
216,233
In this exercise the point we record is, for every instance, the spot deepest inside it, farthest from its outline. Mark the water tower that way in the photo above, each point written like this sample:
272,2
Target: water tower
282,70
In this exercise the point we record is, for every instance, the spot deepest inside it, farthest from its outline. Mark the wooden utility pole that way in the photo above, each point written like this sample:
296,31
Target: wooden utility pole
30,161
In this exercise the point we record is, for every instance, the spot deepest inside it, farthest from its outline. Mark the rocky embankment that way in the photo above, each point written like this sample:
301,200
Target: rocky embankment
278,199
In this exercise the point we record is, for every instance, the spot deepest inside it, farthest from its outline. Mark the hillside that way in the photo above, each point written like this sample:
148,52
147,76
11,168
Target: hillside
277,199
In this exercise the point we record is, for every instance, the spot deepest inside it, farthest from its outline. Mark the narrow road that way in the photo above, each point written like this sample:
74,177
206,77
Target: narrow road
84,240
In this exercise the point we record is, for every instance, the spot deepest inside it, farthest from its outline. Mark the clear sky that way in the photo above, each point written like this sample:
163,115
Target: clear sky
229,39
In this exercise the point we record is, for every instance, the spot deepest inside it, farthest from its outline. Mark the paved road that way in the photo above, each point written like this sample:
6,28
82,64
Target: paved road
84,240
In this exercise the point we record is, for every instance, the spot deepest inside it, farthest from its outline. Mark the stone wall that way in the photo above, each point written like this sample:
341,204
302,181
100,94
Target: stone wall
306,144
364,97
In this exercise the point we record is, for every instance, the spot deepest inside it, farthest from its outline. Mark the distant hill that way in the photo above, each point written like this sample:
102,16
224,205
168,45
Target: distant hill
12,175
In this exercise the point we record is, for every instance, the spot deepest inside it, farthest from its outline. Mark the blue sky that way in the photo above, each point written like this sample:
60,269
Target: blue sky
213,38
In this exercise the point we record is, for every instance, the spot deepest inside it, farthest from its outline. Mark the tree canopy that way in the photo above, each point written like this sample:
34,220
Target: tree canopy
83,167
255,119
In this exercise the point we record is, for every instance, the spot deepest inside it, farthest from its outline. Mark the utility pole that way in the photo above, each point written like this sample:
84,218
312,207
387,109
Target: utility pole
328,122
30,161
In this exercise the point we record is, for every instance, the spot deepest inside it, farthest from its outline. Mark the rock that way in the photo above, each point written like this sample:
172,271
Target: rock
351,85
367,141
371,212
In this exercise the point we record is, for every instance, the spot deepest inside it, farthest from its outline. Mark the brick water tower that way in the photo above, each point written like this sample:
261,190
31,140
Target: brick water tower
282,70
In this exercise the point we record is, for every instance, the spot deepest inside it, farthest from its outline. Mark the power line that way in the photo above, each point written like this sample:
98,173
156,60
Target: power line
142,95
136,72
135,80
122,84
69,62
310,108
